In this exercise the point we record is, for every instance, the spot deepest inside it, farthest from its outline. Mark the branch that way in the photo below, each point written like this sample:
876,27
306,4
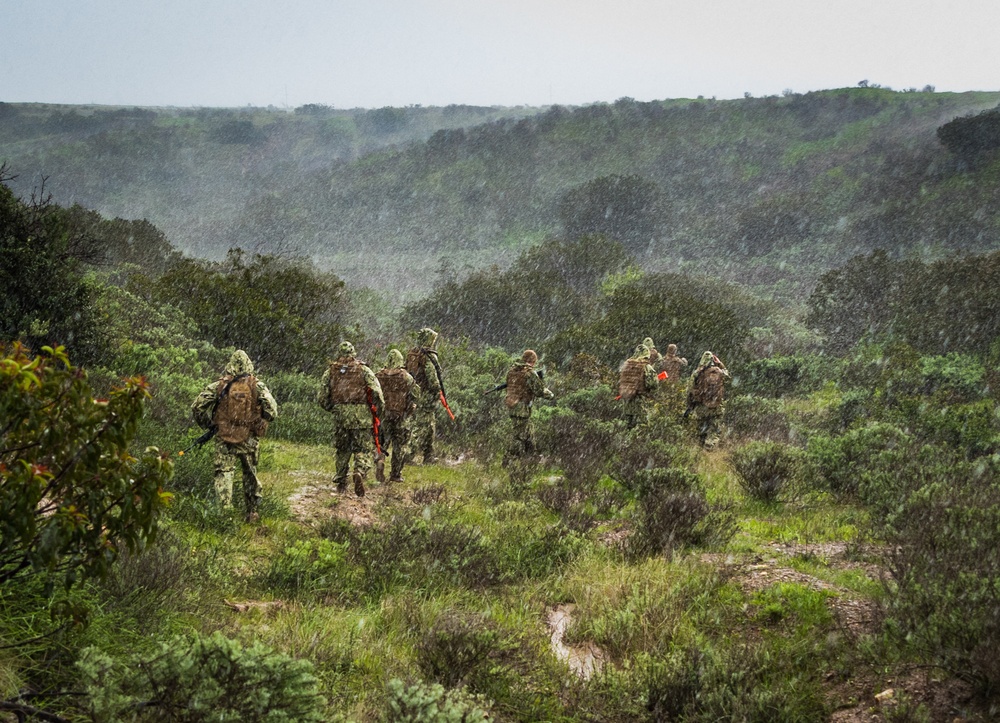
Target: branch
22,711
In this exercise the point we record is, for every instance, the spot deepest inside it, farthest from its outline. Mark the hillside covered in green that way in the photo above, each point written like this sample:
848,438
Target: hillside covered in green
766,191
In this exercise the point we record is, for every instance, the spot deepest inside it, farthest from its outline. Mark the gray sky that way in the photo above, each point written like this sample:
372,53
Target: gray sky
374,53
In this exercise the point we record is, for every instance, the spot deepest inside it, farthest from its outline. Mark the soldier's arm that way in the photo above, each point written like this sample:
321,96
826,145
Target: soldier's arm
268,406
323,393
201,408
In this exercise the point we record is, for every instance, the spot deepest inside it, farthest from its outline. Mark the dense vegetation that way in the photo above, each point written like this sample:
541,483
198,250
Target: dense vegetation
843,540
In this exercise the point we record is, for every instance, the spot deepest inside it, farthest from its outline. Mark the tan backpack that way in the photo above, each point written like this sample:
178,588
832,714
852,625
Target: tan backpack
237,415
417,367
347,382
396,392
710,387
632,380
517,386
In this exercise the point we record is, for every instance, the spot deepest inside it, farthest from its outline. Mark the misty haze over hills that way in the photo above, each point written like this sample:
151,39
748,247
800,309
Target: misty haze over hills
766,191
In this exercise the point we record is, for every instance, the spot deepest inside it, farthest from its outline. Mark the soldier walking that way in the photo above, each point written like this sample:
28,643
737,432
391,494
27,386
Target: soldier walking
707,398
524,385
672,364
238,406
351,393
424,366
400,392
636,383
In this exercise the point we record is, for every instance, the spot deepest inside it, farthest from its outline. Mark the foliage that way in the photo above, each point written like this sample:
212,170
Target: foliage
844,464
283,313
431,703
309,566
752,417
202,678
42,263
627,209
944,533
972,136
72,494
766,470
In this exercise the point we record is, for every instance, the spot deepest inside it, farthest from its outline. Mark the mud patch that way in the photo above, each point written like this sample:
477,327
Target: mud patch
584,660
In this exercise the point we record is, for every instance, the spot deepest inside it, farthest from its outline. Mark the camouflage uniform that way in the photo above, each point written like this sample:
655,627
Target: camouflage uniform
654,355
636,383
400,392
422,363
236,441
524,385
706,397
672,364
353,431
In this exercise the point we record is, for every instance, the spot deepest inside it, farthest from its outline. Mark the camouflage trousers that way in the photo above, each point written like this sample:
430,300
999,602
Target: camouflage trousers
353,442
424,428
395,435
519,457
709,424
635,411
227,457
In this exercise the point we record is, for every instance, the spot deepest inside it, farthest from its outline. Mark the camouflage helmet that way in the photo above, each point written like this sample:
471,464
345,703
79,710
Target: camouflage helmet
648,341
706,359
395,359
346,348
529,357
671,348
641,352
427,337
239,363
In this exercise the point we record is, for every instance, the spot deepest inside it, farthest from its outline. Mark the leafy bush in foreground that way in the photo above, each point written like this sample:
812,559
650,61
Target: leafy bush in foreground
199,678
765,470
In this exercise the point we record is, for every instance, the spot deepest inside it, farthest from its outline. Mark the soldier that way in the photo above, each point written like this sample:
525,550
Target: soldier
400,392
672,364
423,364
636,382
238,406
524,385
350,391
654,355
707,398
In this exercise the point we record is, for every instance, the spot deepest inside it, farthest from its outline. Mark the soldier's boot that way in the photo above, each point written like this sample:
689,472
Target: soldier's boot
429,456
380,468
341,484
253,517
359,484
396,474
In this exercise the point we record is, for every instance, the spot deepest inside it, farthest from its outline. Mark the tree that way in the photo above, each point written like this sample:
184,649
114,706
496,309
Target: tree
72,495
624,208
972,136
44,296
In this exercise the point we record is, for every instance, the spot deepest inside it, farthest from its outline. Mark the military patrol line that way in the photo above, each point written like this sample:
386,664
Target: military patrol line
395,410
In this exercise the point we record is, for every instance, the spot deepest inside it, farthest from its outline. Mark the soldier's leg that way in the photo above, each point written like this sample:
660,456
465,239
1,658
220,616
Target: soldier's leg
400,448
363,450
342,452
521,450
252,491
223,468
430,430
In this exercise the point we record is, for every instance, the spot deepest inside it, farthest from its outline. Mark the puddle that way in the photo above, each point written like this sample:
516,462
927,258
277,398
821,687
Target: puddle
583,660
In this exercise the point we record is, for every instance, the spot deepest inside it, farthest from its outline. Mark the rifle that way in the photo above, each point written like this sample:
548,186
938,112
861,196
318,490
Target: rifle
376,433
497,388
212,428
432,355
209,433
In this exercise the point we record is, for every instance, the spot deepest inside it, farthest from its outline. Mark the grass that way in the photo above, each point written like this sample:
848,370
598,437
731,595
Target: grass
475,563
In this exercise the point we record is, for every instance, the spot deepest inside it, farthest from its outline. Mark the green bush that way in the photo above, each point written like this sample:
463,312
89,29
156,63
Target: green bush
578,445
754,417
842,464
452,650
309,566
201,678
431,703
766,470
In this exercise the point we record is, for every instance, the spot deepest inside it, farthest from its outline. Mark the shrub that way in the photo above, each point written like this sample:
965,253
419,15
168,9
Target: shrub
578,445
56,440
202,678
844,463
753,417
766,470
424,703
455,646
308,566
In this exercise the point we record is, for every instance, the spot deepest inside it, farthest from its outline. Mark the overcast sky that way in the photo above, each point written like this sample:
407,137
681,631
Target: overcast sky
374,53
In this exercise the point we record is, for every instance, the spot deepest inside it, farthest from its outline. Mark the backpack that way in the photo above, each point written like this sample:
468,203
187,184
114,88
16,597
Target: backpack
517,386
710,387
632,380
237,414
417,367
396,392
347,382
